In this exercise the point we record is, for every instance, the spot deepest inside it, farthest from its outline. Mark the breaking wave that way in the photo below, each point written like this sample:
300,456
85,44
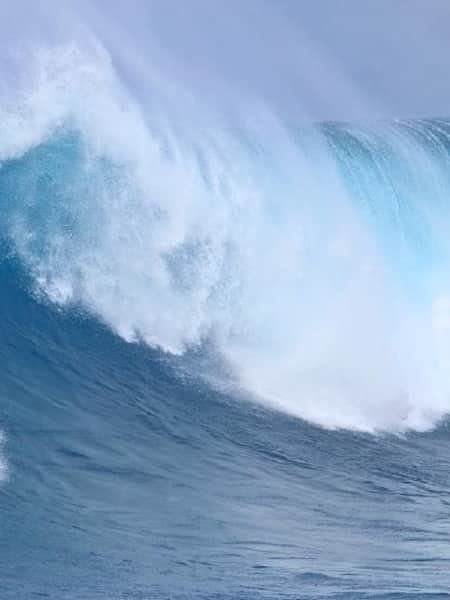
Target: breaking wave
312,261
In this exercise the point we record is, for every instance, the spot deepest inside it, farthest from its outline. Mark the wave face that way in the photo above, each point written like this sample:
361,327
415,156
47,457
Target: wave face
204,322
127,480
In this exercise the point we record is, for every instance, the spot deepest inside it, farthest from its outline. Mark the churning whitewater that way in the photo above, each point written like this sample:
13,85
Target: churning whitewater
315,259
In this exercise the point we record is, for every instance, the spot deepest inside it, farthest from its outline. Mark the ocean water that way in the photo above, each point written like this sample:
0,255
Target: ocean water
224,350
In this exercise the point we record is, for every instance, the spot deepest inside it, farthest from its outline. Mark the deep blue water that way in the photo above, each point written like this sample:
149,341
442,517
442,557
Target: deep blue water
128,481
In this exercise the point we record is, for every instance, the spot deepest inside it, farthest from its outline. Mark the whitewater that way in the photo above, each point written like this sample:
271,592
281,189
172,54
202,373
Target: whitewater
224,344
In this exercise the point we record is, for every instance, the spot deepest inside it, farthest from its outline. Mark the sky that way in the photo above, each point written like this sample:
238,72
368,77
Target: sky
307,59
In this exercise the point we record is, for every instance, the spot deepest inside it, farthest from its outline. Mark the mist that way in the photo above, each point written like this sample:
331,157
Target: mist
305,61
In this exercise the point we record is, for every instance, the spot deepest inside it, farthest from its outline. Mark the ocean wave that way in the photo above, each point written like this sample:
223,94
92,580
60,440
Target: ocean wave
314,259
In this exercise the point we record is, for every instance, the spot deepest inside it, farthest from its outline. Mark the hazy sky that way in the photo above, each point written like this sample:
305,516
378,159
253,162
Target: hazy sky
320,59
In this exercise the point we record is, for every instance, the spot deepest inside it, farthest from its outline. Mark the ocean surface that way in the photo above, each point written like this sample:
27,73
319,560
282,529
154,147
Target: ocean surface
223,351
